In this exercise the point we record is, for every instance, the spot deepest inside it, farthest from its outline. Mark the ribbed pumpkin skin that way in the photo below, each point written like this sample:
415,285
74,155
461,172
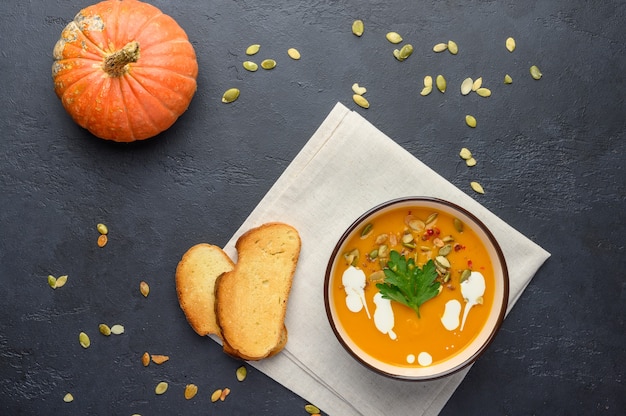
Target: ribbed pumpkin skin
126,101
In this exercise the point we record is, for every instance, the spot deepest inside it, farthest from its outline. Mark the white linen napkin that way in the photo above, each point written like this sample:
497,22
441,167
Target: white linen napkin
346,168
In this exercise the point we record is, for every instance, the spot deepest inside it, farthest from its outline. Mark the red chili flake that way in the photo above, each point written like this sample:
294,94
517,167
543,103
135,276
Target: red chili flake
469,264
430,231
436,230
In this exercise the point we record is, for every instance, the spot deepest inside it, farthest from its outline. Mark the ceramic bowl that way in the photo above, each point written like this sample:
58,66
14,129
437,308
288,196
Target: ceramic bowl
481,340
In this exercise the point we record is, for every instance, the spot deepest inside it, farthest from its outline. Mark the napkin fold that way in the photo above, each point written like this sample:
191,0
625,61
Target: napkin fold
346,168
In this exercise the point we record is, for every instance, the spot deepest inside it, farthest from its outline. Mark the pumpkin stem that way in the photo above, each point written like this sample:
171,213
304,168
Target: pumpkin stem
115,64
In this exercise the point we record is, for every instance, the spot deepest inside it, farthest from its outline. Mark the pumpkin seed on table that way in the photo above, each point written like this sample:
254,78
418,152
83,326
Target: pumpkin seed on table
394,37
55,282
250,66
241,373
428,85
104,329
117,329
68,398
510,44
159,359
145,359
470,121
357,89
483,92
225,392
441,83
465,153
357,27
311,409
161,388
215,396
466,86
253,49
230,95
361,101
84,340
144,289
535,72
190,391
268,64
102,229
453,48
470,162
477,187
404,53
293,53
440,47
102,240
478,82
508,79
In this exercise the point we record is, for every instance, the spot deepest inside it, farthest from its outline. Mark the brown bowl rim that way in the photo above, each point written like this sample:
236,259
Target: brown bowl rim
505,296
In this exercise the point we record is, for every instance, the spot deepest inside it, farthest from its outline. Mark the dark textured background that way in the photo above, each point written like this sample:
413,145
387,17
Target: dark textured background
550,156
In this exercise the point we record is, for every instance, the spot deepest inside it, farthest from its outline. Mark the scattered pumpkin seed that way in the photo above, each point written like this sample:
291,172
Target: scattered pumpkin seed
68,398
216,395
535,72
144,289
510,44
458,225
405,52
357,89
117,329
352,257
253,49
477,187
441,83
102,240
396,54
268,64
61,281
445,250
361,101
377,276
102,229
508,79
293,53
357,27
393,37
145,359
225,392
241,373
470,121
426,90
104,329
465,153
373,254
478,82
190,391
483,92
84,340
428,81
470,162
465,274
466,86
311,409
161,388
159,359
440,47
453,48
250,66
230,95
52,281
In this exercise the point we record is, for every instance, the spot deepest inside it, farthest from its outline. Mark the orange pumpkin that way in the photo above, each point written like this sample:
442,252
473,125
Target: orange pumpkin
124,70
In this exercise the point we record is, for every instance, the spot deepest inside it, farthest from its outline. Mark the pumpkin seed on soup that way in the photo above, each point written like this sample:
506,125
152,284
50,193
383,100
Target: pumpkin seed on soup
293,53
268,64
253,49
357,27
394,37
230,95
250,66
458,225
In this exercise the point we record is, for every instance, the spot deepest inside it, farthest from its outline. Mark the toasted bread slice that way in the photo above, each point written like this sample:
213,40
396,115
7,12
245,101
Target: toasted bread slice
251,300
196,274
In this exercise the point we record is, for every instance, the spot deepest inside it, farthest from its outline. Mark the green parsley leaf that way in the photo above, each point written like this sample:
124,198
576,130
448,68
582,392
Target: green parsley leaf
407,284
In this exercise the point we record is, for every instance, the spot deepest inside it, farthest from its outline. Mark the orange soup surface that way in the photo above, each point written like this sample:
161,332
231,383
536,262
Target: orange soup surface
414,234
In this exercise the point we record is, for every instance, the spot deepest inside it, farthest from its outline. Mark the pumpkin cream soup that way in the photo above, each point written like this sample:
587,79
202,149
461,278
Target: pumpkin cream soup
415,287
